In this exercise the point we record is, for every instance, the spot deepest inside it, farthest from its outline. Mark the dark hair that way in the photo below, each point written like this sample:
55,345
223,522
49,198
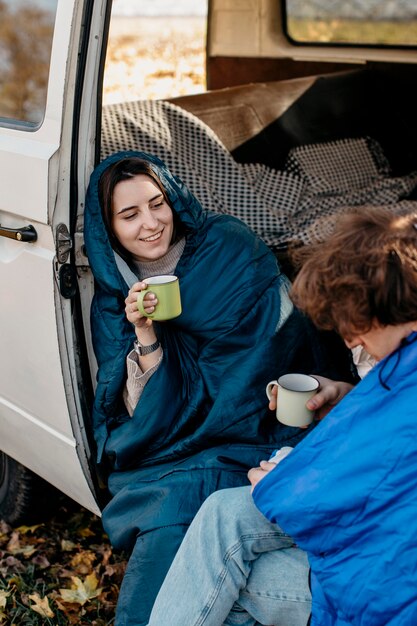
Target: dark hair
126,169
365,271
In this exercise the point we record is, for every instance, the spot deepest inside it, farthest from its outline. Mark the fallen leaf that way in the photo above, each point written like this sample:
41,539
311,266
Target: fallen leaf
25,551
41,605
23,530
14,543
83,561
3,598
81,592
67,545
14,546
16,582
86,532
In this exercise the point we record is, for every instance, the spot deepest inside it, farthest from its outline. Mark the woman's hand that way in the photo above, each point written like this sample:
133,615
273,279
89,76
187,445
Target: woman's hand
257,473
329,394
150,301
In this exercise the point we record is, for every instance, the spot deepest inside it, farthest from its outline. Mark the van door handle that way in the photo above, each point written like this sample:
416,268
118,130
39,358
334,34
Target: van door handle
26,233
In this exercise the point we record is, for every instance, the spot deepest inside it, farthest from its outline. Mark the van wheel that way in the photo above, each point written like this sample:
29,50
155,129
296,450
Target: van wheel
24,497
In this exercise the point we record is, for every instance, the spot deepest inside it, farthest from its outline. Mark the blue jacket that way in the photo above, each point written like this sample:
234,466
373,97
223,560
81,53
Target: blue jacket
202,419
348,496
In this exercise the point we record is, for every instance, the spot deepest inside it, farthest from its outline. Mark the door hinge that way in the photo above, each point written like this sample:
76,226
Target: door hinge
63,243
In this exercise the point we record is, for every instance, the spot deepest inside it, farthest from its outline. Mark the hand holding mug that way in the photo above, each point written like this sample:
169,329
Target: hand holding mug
168,300
294,390
329,394
150,301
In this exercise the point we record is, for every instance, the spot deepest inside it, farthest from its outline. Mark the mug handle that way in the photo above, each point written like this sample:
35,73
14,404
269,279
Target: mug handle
269,386
139,301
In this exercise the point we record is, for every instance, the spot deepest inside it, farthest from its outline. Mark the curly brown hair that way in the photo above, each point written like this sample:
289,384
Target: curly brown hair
365,272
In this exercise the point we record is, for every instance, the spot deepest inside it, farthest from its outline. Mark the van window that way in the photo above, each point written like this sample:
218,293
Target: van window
364,23
156,50
26,30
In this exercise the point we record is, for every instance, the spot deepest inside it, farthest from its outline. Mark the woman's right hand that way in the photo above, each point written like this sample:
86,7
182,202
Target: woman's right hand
329,394
150,301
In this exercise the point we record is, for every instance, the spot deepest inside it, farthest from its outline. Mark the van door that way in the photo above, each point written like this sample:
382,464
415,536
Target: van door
41,421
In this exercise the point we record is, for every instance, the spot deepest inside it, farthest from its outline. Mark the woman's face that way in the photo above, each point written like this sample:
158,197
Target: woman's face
142,219
380,341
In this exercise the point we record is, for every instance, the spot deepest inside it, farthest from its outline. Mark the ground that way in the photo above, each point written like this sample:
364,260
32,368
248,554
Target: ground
60,571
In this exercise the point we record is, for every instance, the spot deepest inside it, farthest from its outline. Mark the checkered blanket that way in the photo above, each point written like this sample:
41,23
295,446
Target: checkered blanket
298,204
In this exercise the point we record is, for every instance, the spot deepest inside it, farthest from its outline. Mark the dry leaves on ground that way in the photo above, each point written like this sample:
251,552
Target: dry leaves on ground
63,571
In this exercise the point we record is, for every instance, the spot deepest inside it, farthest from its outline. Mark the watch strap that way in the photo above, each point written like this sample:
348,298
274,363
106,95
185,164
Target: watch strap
143,350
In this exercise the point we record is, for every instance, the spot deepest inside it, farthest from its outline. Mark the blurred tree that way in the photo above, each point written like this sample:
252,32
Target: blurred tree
25,48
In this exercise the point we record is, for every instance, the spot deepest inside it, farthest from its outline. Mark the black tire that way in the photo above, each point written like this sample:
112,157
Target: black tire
24,497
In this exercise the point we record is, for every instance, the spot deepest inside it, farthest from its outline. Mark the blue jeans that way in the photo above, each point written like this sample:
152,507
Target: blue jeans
234,568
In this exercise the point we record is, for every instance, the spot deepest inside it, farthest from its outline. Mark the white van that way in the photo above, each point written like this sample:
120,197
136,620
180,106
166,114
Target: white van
281,75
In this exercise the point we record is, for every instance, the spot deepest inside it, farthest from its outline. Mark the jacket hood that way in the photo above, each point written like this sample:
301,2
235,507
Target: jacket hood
109,269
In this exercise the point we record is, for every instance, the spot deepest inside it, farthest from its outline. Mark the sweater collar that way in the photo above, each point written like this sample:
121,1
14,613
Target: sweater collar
164,265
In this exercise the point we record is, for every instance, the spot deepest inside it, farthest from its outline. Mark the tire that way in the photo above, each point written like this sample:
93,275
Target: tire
24,497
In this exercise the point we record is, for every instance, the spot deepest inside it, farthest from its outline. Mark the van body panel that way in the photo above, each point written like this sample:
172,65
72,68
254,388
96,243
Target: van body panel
39,426
31,158
46,452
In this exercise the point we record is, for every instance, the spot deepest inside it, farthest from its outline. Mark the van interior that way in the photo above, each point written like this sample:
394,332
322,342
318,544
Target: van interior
308,129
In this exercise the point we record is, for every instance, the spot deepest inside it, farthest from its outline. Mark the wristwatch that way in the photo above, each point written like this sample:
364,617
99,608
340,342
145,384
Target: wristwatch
142,350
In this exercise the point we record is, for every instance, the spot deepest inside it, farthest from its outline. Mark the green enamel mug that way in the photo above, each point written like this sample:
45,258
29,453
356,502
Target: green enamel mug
167,290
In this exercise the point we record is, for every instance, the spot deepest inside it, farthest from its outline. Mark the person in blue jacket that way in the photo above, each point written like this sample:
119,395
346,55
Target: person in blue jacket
179,406
343,502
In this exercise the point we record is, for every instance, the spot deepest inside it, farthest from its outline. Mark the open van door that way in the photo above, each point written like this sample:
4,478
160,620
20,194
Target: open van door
41,423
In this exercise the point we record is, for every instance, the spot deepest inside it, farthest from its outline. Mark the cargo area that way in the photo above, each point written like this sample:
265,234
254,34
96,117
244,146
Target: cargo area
284,156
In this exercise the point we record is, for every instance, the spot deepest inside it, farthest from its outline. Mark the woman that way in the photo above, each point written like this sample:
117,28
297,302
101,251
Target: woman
179,410
346,496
